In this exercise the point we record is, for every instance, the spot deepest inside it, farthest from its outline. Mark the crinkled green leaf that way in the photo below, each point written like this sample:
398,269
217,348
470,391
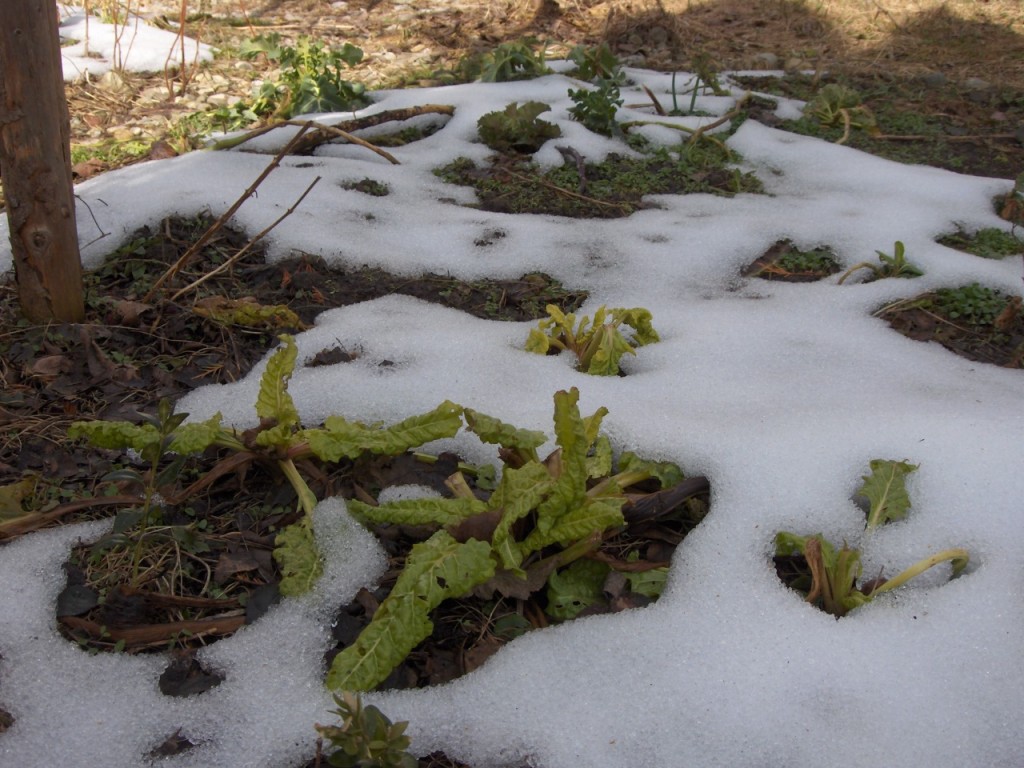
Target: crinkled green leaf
648,583
666,473
347,439
640,320
299,558
273,402
495,432
519,492
116,435
599,463
418,511
886,490
538,342
594,516
604,351
196,437
576,588
436,569
570,488
517,128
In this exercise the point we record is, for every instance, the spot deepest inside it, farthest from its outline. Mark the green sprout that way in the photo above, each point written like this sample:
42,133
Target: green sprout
598,347
888,266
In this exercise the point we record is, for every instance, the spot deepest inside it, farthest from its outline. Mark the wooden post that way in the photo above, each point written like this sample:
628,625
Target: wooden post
35,164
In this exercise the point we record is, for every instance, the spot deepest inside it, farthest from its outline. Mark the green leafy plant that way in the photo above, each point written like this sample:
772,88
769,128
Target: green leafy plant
598,346
888,266
829,575
974,304
596,63
279,441
519,60
517,128
988,243
596,107
311,79
366,738
839,105
544,516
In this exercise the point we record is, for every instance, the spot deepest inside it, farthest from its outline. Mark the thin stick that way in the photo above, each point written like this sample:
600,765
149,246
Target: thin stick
216,226
321,128
366,121
248,246
734,112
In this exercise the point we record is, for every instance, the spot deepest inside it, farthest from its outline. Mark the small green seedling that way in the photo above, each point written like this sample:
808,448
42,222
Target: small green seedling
836,104
598,347
888,266
366,738
831,578
517,128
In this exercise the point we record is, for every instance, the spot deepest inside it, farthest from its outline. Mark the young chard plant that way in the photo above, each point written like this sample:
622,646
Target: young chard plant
598,347
829,576
366,738
517,128
836,104
533,532
888,266
279,441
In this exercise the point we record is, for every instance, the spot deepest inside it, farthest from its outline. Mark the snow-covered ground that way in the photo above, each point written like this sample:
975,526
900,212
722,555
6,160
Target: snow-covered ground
91,48
779,393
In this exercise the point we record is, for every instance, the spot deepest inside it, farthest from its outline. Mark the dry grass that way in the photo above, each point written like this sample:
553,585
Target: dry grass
961,38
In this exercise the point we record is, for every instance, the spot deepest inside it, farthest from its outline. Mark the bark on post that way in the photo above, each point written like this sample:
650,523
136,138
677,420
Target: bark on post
35,164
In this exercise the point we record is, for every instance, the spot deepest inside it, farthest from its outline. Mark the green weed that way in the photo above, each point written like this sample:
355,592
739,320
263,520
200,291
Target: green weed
888,266
988,243
973,304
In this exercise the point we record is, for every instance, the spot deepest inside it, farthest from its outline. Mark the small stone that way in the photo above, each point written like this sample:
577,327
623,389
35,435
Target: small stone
976,84
767,60
658,35
112,82
933,79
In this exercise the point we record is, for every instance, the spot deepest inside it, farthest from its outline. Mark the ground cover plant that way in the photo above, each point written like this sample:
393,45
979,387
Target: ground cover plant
612,188
987,242
973,320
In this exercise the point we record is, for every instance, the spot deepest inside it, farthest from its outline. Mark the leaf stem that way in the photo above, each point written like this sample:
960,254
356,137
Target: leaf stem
958,557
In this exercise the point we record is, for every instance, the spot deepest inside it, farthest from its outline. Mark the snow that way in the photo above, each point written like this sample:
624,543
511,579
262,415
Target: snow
780,393
90,47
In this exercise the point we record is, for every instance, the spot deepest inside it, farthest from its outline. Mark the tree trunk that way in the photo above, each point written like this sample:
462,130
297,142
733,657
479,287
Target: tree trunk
35,164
